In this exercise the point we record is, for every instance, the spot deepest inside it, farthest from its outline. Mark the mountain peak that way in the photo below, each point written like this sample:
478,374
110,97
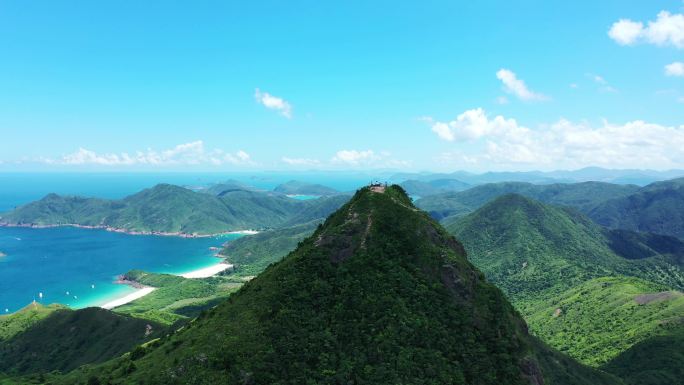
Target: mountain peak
380,293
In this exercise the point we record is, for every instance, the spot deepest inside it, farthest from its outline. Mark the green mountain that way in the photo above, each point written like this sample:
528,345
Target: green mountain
379,294
600,319
64,339
172,209
658,360
229,185
252,254
568,276
432,187
294,187
531,250
583,196
657,208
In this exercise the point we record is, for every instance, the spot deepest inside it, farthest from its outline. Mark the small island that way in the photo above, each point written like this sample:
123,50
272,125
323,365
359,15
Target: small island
2,254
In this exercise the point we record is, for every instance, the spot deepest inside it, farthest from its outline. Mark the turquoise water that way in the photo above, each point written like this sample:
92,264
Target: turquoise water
55,261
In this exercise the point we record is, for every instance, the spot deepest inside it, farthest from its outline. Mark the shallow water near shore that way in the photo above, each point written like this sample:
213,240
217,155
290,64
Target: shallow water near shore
78,267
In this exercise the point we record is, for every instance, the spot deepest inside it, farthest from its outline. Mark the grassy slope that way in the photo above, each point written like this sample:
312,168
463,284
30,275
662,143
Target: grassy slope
657,208
66,339
176,298
541,255
168,208
601,318
658,360
13,324
252,254
583,196
379,294
532,250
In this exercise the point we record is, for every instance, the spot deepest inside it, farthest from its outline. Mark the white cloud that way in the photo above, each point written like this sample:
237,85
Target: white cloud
574,86
501,141
192,153
667,29
300,161
674,69
354,157
625,31
502,100
471,125
681,99
274,103
517,86
603,85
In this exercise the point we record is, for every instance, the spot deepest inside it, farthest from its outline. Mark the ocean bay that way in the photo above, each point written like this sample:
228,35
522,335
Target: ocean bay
78,267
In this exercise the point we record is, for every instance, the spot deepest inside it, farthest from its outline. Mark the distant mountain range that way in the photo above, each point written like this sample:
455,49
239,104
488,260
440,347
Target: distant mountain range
657,208
174,210
589,174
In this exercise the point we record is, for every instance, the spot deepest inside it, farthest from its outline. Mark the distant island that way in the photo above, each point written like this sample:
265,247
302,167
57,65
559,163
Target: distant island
172,210
2,254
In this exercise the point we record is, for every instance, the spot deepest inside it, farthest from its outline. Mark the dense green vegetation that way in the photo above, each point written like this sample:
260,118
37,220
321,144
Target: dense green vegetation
294,187
65,339
601,318
583,196
547,258
172,209
531,250
432,187
15,323
658,360
380,294
176,298
229,185
251,254
657,208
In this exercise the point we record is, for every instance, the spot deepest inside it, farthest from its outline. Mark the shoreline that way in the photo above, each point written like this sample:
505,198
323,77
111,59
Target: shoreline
128,232
143,290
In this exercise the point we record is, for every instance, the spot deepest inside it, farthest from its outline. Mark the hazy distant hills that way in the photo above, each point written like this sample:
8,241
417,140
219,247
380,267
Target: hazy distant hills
584,196
380,293
596,174
425,188
294,187
658,208
172,209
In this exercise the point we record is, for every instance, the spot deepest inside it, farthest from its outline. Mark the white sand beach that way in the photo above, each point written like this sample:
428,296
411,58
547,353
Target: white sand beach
244,232
207,271
139,293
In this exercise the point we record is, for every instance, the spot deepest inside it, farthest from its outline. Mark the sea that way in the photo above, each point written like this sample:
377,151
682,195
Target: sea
78,267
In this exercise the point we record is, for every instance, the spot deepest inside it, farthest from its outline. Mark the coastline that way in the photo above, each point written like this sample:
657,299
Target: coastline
142,290
129,232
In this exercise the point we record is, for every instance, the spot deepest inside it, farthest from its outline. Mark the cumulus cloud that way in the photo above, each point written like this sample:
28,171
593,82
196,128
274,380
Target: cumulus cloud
667,29
192,153
273,103
354,157
674,69
517,86
300,161
498,140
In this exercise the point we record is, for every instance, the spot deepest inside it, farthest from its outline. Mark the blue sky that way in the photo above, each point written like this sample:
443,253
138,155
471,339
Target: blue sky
430,85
